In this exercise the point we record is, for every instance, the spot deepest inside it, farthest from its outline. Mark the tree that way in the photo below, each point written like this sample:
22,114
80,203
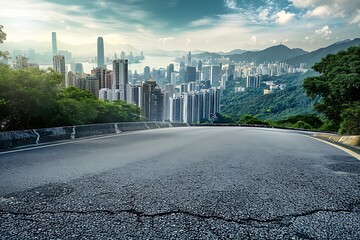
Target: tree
2,39
250,119
338,86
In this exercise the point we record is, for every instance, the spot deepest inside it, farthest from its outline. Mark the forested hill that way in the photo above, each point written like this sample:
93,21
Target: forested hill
275,106
315,56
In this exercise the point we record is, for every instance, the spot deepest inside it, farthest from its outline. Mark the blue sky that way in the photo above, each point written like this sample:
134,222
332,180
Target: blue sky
214,25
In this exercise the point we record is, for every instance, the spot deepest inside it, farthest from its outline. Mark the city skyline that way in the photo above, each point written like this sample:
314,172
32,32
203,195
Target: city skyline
221,25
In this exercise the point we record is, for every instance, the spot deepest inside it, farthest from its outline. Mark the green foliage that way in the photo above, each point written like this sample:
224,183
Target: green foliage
250,119
311,120
351,120
32,98
275,106
28,97
2,39
338,86
302,125
222,118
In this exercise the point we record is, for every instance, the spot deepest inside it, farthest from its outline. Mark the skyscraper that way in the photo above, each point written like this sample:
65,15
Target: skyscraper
100,52
170,70
152,101
121,75
59,64
54,43
190,74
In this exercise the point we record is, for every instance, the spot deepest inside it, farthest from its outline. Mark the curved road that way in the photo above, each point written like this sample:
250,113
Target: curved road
182,183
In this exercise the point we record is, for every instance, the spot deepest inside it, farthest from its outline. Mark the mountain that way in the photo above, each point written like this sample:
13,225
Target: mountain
272,54
207,55
235,51
275,106
315,56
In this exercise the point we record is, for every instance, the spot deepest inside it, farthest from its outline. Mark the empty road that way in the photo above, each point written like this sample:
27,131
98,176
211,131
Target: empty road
182,183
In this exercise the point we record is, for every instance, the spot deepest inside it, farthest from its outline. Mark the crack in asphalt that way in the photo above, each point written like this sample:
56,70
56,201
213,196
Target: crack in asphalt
279,220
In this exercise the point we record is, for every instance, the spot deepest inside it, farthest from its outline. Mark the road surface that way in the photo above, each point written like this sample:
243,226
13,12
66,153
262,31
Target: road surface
182,183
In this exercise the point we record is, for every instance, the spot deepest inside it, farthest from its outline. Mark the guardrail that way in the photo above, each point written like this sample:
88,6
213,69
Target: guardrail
14,139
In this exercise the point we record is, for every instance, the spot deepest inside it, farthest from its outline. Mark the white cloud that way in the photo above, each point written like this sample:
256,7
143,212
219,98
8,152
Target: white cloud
201,22
325,11
164,40
272,41
346,9
253,39
231,4
324,31
284,17
356,19
303,3
264,15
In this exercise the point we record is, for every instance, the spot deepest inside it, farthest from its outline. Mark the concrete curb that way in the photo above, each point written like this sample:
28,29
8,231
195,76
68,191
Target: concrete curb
347,140
15,139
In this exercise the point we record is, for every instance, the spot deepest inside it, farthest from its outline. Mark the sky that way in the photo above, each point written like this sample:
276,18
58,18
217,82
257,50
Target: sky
212,25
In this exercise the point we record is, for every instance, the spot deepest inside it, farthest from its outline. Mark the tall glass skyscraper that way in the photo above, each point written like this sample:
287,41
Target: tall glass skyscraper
54,44
100,52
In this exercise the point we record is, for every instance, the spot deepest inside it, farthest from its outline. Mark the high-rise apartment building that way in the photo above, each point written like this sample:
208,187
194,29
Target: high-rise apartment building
147,73
59,64
170,70
176,108
120,75
54,43
152,101
100,52
190,74
253,82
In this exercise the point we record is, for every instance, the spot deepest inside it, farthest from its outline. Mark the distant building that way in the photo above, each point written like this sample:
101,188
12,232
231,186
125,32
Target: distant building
54,43
152,101
190,74
253,82
70,79
170,70
147,73
92,85
100,52
120,75
79,68
176,108
66,54
100,73
105,94
59,64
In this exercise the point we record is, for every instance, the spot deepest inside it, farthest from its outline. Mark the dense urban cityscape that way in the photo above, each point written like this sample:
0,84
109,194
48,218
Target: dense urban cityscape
189,94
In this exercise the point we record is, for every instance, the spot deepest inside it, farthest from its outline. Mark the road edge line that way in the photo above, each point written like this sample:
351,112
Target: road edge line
348,151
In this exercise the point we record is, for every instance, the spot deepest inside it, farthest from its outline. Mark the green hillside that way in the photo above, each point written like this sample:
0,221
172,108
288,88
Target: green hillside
289,102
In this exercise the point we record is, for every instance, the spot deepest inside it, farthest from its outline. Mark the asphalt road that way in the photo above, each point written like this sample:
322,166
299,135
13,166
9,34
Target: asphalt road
182,183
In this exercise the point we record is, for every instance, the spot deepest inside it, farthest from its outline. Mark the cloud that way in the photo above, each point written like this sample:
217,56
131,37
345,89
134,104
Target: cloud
284,17
303,3
188,41
272,41
201,22
253,39
346,9
356,19
164,40
324,11
264,15
324,31
231,4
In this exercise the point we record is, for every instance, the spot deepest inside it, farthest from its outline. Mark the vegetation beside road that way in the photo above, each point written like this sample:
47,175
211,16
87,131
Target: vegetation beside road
32,98
328,100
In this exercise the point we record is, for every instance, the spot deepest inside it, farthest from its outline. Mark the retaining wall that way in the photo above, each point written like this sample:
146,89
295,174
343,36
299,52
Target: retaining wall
40,136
